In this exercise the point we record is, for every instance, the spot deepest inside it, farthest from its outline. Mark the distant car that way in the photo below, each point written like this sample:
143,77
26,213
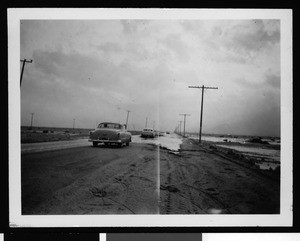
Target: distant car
148,132
158,133
161,133
110,133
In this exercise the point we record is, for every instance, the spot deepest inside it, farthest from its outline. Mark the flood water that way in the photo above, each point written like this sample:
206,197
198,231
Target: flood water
267,158
169,141
242,140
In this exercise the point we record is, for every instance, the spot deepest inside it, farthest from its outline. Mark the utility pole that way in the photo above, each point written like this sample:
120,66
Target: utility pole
153,124
31,121
146,122
180,126
24,61
176,129
201,113
127,118
184,123
73,124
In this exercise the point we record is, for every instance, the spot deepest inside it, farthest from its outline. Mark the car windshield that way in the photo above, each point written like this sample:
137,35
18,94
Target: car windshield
148,130
109,126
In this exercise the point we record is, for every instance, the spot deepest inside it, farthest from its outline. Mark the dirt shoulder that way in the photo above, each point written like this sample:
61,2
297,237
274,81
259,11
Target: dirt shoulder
199,180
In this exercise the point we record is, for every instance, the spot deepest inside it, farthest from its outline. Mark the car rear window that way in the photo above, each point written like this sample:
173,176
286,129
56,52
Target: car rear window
109,125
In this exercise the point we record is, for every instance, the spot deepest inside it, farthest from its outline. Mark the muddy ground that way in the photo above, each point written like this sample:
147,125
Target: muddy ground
200,181
132,180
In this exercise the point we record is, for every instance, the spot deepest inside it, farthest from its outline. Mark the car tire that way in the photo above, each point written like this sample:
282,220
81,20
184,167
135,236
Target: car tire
120,145
95,143
127,143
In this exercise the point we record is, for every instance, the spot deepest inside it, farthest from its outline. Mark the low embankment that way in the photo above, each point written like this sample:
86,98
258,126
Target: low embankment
46,134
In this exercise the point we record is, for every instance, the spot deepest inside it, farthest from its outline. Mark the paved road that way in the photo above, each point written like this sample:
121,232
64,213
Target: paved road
141,179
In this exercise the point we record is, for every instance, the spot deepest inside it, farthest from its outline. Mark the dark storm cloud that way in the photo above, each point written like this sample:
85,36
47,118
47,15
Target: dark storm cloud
246,83
133,50
269,80
145,65
258,112
252,36
77,68
262,120
237,41
89,71
272,80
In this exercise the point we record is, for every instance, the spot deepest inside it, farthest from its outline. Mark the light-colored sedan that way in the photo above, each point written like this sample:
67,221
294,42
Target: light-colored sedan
148,132
110,133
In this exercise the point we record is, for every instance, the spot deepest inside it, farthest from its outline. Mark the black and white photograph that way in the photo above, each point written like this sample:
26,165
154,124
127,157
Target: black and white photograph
122,117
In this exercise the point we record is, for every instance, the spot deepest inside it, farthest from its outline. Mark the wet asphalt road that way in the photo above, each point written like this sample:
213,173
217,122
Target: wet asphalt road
141,179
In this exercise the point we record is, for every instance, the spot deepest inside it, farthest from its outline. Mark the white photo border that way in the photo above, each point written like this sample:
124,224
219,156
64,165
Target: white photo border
16,219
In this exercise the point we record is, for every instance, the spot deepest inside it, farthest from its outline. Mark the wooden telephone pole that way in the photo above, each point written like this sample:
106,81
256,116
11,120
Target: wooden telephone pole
180,126
31,121
184,123
201,112
24,61
127,118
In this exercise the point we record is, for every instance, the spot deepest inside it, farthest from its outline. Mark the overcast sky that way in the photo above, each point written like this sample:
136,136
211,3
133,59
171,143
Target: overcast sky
96,70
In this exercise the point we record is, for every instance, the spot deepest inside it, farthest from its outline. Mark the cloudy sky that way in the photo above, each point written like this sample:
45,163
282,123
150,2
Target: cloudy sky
96,70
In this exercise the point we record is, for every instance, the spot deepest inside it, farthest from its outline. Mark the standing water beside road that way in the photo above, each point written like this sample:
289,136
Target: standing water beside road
265,152
171,142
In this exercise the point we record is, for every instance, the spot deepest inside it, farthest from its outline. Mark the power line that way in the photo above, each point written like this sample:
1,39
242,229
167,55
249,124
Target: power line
201,112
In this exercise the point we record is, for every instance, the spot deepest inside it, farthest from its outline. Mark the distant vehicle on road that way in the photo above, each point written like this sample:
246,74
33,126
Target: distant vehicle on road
161,133
148,132
110,133
158,133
